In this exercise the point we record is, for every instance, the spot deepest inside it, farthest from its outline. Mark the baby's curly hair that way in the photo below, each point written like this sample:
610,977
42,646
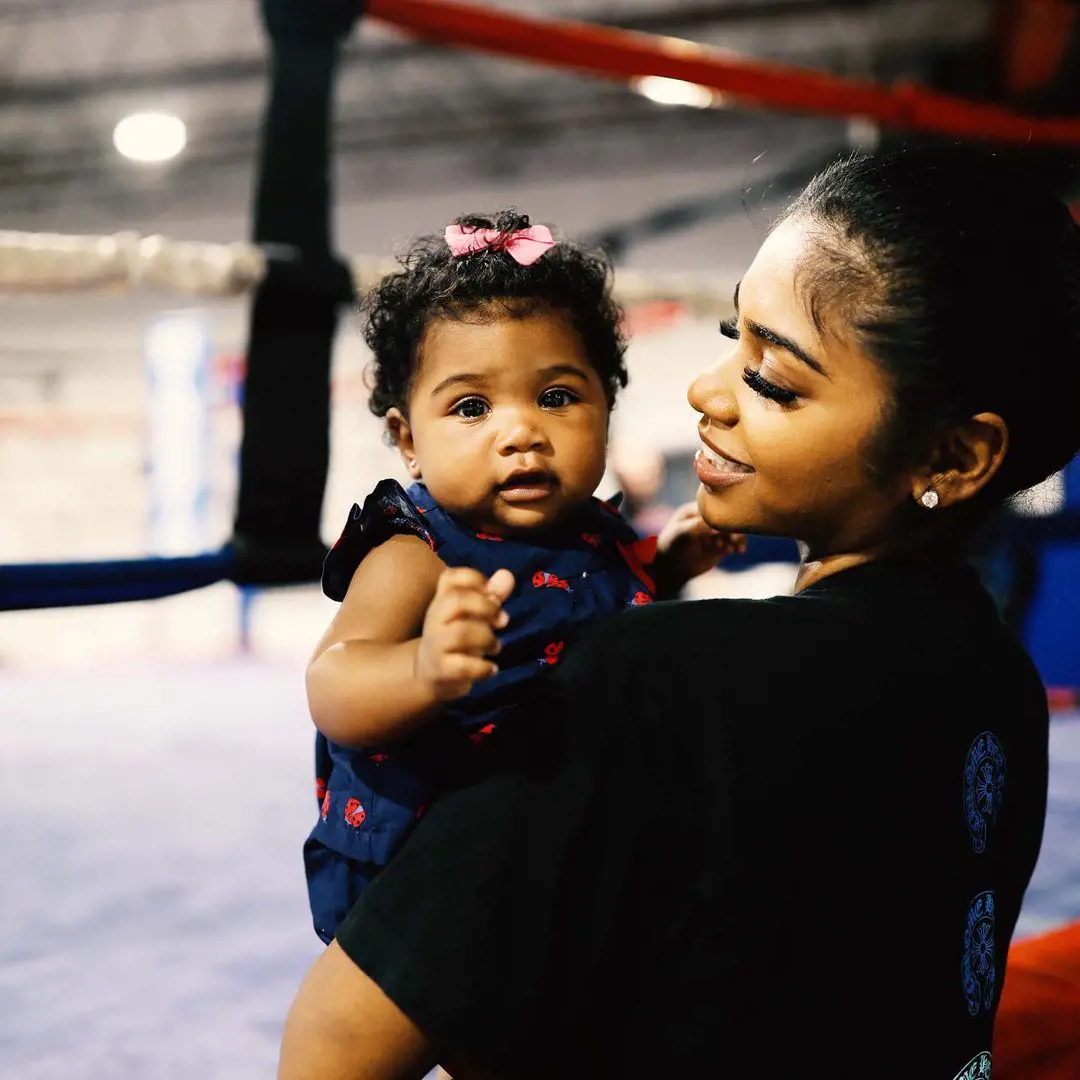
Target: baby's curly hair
483,286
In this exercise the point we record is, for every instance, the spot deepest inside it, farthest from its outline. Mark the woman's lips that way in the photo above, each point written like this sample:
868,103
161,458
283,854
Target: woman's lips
715,469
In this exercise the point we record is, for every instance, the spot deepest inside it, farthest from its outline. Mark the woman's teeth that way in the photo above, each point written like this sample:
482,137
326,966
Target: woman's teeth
722,463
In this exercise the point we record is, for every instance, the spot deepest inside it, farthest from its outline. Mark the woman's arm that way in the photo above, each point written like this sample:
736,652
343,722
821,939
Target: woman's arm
410,634
516,919
343,1027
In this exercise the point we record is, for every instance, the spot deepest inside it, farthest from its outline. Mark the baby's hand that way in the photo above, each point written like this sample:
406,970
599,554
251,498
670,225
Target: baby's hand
459,631
687,546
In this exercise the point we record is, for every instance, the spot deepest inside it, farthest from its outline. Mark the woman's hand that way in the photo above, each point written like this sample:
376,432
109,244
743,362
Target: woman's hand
687,547
459,634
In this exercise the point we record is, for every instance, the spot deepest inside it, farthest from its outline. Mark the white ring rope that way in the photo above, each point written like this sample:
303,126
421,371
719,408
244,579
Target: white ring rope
51,262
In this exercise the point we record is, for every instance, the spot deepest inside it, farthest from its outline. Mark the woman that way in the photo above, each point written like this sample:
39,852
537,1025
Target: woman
786,837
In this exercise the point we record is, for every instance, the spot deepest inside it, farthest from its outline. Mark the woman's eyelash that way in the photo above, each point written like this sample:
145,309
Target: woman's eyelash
730,329
769,390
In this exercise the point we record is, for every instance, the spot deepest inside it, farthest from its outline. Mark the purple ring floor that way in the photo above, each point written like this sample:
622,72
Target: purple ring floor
153,914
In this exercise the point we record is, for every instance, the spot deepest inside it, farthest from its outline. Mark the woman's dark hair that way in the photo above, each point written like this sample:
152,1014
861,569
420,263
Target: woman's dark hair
483,286
961,278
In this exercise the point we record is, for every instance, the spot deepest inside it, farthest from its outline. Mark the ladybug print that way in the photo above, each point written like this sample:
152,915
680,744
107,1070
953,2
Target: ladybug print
543,580
325,806
552,652
320,788
477,737
641,598
355,814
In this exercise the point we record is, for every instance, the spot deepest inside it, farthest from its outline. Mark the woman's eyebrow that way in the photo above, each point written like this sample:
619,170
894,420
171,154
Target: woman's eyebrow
781,342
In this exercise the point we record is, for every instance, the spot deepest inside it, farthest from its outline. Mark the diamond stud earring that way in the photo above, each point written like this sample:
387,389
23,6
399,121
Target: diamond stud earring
929,498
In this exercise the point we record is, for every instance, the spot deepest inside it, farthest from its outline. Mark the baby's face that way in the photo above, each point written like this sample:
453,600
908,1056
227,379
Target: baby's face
508,421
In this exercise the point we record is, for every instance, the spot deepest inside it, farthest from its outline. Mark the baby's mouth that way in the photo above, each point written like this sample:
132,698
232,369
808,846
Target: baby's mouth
528,486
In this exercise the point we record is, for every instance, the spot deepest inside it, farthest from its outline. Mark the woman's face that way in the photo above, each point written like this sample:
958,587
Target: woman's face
788,416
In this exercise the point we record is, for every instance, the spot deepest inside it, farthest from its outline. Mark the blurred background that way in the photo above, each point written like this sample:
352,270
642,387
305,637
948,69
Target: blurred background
191,191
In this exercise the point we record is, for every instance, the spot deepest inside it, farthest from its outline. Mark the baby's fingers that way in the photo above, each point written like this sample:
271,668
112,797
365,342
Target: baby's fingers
730,543
470,604
472,637
458,672
500,585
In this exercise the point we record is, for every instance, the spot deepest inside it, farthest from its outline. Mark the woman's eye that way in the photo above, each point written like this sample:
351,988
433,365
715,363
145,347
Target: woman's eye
558,397
766,389
470,408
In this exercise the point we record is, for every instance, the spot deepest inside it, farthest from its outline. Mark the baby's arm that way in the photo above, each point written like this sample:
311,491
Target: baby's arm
410,634
688,547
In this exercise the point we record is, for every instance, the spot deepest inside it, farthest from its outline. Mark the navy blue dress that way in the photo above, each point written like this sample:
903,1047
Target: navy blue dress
369,799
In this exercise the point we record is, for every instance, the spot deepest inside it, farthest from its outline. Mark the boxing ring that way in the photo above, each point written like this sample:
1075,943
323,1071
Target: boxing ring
155,916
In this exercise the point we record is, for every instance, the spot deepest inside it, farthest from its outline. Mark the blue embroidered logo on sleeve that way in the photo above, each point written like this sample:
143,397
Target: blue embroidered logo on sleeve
979,958
984,785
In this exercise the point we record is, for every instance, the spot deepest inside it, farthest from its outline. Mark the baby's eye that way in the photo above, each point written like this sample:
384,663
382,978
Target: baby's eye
470,408
558,397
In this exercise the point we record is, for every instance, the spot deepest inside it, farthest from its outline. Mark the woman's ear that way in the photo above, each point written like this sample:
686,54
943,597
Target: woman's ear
965,460
402,436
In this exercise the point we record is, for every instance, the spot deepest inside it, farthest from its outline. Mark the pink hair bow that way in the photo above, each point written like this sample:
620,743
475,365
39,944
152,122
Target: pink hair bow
524,246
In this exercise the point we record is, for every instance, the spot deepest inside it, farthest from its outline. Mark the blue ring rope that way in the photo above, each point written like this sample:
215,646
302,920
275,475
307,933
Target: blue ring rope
25,586
75,584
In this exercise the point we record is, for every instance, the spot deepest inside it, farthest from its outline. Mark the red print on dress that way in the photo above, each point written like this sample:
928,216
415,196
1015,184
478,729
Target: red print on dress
488,536
592,539
320,788
543,580
325,805
354,813
641,598
552,651
477,737
377,759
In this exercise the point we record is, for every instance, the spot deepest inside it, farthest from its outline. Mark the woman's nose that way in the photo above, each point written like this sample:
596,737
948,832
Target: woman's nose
711,395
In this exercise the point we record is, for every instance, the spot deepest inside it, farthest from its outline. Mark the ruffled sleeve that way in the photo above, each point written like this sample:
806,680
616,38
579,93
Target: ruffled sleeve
638,552
386,512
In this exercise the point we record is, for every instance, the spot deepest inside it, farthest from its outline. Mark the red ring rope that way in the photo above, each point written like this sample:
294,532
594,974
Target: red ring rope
620,54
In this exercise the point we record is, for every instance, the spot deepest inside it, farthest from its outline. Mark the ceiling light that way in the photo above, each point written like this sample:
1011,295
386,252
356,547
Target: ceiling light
673,91
150,137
